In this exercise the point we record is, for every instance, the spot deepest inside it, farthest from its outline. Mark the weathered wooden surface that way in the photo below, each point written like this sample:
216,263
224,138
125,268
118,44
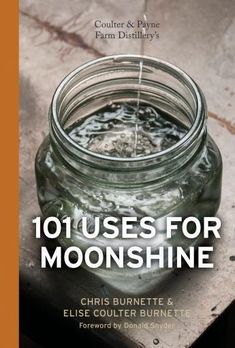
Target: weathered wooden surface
198,36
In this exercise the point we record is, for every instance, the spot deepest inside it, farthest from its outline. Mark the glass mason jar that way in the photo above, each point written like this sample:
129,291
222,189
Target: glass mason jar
182,180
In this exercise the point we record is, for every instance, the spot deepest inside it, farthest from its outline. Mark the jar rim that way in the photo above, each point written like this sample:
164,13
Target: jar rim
161,63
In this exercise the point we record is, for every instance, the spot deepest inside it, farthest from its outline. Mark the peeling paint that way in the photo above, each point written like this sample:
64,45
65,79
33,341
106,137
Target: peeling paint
59,33
223,122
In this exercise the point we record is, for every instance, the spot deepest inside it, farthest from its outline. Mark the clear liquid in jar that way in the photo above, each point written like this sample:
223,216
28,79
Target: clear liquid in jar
111,131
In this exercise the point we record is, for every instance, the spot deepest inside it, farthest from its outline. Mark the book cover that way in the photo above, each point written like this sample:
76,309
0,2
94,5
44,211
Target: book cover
126,173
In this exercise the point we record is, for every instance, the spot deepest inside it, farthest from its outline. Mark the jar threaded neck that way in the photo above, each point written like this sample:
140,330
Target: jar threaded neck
95,83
